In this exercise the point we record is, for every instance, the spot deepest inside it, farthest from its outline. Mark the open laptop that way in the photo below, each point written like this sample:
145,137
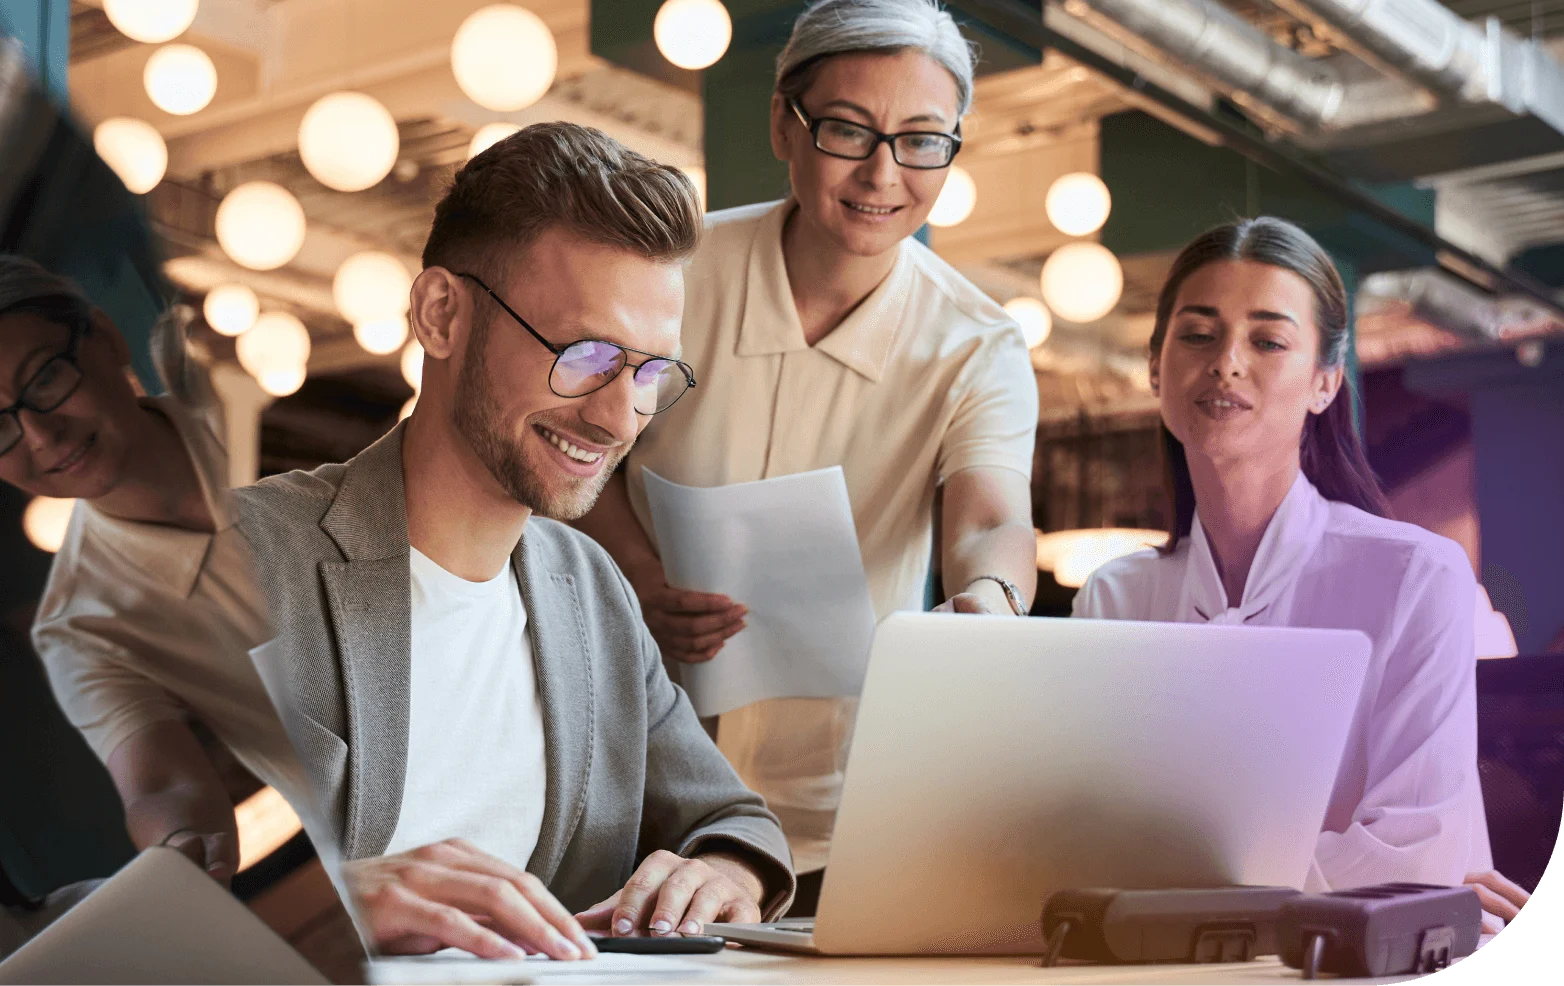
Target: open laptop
996,760
158,920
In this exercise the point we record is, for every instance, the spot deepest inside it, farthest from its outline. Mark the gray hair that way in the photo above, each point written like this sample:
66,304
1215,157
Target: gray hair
27,286
840,27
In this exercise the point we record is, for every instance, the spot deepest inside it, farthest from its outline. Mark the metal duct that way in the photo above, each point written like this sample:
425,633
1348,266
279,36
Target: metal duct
1439,299
1241,57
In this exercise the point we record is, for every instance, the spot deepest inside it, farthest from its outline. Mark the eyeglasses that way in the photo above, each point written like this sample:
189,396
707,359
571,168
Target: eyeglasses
48,388
589,365
922,149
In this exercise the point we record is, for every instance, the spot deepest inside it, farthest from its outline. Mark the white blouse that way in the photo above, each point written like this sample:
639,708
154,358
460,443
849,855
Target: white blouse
1406,805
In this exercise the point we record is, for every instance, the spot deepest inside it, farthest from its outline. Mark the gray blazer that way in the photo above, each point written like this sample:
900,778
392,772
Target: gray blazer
630,770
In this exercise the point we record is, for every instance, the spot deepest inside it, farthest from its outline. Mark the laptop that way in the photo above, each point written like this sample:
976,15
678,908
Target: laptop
158,920
996,760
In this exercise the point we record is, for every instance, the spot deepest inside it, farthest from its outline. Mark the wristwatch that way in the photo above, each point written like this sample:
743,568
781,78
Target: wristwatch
1012,594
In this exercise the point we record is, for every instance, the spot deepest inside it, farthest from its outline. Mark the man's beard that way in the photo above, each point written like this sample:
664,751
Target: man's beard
478,418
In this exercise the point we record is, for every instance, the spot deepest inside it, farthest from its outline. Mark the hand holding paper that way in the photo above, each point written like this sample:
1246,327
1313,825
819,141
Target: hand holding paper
785,548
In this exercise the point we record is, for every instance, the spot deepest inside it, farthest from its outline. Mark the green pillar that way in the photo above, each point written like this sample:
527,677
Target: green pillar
44,29
77,218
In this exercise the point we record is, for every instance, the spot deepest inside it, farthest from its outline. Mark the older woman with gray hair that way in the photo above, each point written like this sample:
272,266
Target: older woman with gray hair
826,335
150,609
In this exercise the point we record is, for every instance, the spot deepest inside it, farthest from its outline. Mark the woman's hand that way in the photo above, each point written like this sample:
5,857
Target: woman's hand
670,893
688,626
1501,898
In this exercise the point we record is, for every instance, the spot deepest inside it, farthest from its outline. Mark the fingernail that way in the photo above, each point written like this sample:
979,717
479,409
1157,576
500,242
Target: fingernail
661,926
568,948
623,926
588,948
691,928
515,951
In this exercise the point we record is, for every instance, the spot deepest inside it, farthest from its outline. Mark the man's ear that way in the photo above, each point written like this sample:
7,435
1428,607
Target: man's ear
440,313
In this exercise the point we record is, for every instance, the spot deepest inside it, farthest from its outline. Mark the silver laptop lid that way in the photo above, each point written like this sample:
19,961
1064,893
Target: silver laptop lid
998,759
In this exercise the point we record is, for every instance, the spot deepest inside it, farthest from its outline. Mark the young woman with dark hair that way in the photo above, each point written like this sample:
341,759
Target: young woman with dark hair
1279,521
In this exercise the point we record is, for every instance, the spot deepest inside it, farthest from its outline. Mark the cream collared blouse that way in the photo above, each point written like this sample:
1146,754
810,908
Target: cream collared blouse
925,378
142,623
1406,805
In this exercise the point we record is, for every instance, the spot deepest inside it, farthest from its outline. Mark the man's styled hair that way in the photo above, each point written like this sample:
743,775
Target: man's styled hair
561,175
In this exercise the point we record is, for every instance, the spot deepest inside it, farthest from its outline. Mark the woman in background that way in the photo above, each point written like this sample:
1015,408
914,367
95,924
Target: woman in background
150,609
1279,521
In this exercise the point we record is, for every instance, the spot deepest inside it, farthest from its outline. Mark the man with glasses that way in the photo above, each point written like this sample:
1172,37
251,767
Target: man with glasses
150,608
825,335
486,718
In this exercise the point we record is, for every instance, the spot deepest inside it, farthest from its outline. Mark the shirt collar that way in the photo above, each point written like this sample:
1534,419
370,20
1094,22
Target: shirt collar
173,556
770,325
1290,538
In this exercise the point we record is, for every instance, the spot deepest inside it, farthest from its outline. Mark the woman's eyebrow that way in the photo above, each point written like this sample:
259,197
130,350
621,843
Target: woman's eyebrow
1264,315
1209,311
20,378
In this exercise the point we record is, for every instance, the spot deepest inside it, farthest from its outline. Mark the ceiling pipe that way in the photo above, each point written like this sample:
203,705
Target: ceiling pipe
1022,23
1240,57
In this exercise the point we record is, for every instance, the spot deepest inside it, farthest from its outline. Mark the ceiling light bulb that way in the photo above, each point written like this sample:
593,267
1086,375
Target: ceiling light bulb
180,79
413,366
956,199
260,225
46,520
381,336
1074,555
692,34
231,309
348,141
283,380
371,287
277,342
1034,318
504,57
151,21
134,149
1082,281
488,135
1078,204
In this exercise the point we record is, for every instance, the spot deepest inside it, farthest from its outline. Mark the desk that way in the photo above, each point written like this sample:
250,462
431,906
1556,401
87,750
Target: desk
747,965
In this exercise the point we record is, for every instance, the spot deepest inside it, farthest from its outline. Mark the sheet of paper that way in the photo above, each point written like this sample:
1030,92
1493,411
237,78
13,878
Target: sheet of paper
455,966
787,549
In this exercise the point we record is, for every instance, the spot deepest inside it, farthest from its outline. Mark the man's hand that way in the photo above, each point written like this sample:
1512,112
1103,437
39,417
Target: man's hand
215,852
688,626
453,895
670,893
1501,899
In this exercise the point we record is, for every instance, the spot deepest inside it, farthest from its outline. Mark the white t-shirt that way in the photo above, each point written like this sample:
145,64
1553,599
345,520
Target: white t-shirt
475,764
1407,804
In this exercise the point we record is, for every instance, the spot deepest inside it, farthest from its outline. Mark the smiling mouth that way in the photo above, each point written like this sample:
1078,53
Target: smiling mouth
70,461
872,210
1223,404
568,447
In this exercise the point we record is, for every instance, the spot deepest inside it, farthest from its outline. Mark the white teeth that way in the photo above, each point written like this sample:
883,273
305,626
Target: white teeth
574,451
871,210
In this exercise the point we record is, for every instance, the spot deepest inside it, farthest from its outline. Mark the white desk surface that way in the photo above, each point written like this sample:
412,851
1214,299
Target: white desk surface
750,965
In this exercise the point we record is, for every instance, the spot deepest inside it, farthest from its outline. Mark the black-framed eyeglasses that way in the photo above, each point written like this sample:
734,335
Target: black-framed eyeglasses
925,150
50,386
589,365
